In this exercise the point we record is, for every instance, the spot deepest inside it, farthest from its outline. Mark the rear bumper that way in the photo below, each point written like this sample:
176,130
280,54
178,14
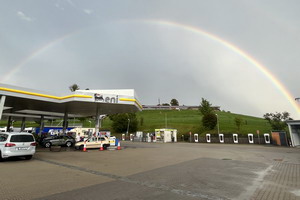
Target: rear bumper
8,152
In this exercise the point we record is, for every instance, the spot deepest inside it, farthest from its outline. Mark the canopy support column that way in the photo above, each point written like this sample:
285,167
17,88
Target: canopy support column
65,123
41,125
97,121
9,124
2,101
23,124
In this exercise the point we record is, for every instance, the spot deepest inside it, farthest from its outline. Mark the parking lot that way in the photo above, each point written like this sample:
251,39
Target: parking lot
156,171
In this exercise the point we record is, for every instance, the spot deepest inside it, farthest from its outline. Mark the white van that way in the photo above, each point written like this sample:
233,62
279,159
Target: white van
13,144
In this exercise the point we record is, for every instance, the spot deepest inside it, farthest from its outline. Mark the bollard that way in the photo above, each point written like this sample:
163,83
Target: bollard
208,138
101,147
196,137
235,138
84,147
119,146
250,138
267,138
221,137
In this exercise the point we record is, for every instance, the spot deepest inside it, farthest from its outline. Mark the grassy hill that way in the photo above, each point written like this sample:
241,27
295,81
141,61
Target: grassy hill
184,121
190,120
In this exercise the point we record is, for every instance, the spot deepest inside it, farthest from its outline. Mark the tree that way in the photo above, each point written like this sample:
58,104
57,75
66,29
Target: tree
165,104
238,122
74,87
205,107
82,120
120,122
174,102
209,121
277,120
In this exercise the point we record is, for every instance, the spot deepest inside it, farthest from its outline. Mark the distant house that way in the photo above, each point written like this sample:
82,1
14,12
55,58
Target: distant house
183,107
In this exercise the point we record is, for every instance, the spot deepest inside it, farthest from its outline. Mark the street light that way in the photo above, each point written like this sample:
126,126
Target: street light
101,117
166,120
127,127
218,123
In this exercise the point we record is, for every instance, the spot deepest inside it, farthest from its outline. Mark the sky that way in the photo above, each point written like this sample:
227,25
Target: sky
240,55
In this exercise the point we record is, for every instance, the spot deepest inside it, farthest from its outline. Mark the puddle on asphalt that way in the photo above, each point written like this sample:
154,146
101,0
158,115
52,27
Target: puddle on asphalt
296,192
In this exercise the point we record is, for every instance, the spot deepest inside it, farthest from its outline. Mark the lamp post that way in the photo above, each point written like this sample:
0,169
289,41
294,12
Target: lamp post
101,117
128,127
218,123
166,120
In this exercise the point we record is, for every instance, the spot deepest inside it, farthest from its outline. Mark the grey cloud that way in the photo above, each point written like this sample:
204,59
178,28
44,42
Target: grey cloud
105,45
24,17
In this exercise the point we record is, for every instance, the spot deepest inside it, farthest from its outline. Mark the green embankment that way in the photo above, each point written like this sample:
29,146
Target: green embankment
190,120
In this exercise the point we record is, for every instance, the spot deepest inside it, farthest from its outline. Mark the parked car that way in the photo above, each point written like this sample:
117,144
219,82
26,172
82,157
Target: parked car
60,140
13,144
93,142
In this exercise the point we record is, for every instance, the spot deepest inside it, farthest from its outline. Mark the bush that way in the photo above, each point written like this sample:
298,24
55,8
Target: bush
120,122
209,121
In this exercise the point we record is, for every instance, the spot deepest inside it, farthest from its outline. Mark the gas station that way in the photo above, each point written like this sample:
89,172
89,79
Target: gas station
18,103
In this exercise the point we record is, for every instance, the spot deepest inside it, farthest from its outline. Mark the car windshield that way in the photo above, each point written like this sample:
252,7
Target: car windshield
22,138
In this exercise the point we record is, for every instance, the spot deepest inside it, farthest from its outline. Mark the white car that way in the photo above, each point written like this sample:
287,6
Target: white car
13,144
93,142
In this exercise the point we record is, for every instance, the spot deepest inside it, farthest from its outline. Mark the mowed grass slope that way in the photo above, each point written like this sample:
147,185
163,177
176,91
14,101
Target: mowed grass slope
190,120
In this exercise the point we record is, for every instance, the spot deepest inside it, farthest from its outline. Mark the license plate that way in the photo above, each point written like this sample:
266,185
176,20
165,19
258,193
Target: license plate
22,148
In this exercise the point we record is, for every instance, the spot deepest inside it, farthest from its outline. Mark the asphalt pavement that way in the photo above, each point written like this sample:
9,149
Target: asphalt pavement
156,171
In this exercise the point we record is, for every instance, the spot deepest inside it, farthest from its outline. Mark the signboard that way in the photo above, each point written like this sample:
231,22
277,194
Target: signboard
106,98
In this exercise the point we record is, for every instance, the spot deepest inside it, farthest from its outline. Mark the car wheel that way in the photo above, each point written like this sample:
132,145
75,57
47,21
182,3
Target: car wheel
69,144
28,157
47,144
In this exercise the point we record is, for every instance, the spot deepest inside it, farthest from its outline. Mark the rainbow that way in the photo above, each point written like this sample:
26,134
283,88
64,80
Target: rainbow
35,54
264,70
235,49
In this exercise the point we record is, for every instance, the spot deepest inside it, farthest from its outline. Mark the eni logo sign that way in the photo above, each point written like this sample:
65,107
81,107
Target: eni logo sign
106,99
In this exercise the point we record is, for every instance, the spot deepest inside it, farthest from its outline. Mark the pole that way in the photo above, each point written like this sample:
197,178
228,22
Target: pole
23,124
97,120
2,102
65,123
41,125
218,123
127,127
166,120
